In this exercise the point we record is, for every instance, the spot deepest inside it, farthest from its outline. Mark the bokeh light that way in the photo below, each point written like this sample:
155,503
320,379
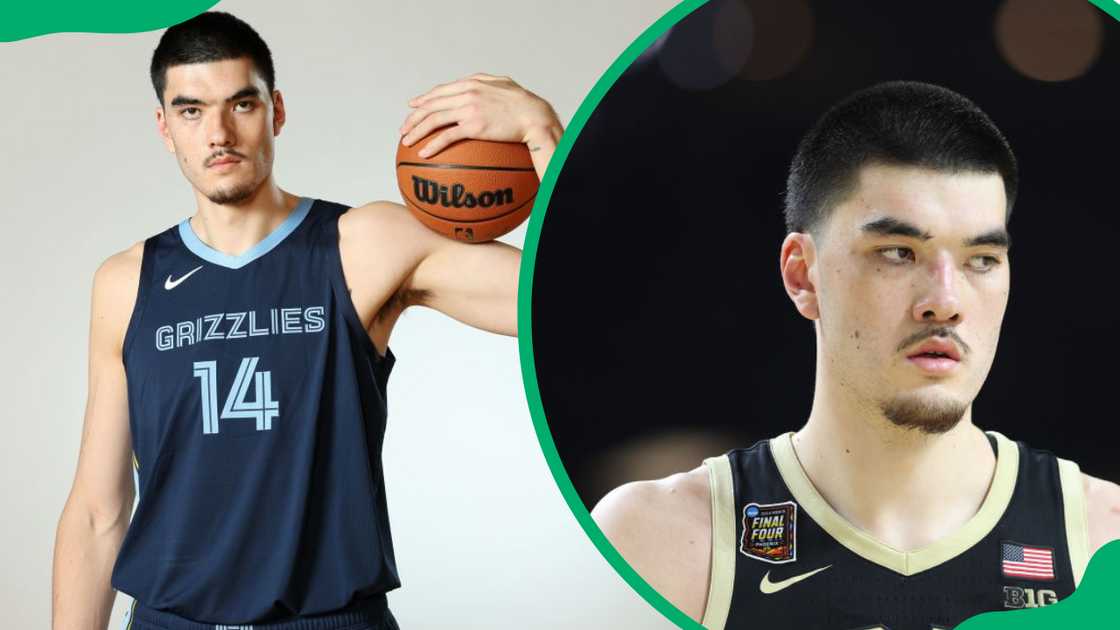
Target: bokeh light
708,49
653,457
783,33
1049,40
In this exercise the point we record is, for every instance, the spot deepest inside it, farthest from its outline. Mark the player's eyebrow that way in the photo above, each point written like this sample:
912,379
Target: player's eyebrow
997,237
890,226
244,92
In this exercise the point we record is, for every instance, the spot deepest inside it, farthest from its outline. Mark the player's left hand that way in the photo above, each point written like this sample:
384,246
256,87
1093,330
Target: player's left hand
483,107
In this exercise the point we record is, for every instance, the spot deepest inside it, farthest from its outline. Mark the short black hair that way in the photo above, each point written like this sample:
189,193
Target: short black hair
210,36
898,123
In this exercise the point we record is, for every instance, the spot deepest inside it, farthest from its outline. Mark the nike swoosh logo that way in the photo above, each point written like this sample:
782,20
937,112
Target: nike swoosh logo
767,587
171,284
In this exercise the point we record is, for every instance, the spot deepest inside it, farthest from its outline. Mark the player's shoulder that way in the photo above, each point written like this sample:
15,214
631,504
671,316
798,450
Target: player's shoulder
380,234
1102,510
377,218
656,508
115,287
1100,489
120,270
380,227
663,528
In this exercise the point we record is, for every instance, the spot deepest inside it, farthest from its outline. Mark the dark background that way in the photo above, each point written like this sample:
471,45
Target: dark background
661,330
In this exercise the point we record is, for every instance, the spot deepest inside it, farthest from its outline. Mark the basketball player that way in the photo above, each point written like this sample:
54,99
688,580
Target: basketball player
239,361
889,508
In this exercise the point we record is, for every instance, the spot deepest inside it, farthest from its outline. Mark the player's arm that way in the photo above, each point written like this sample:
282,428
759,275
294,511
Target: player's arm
96,514
473,283
1102,501
483,107
663,529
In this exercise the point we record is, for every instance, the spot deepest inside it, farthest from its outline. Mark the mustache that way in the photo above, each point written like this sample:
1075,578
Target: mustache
226,153
940,331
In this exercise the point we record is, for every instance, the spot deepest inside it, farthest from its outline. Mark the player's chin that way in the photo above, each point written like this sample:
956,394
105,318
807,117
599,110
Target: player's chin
230,193
930,410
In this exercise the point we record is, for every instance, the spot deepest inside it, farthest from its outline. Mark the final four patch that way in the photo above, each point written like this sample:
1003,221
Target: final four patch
770,532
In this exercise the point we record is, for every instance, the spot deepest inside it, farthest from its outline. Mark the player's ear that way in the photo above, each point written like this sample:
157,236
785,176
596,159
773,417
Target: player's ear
279,115
798,258
161,126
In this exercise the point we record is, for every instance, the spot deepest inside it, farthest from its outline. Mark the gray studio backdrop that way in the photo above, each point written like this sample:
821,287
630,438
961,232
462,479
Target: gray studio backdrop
483,537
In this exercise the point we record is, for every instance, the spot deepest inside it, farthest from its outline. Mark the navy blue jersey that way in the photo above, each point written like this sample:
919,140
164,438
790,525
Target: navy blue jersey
783,558
257,410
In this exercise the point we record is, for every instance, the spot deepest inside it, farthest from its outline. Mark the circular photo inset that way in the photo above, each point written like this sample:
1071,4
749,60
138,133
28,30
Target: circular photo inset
789,357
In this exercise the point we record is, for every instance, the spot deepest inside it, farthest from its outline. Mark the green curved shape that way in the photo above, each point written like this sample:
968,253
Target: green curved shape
1090,606
21,20
1108,6
525,319
1089,603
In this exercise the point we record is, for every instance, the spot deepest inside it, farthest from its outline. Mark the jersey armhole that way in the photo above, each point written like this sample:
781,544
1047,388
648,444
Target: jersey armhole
721,581
342,292
141,295
1077,522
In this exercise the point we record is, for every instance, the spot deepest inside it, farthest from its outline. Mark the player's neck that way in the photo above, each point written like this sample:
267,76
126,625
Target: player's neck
904,487
235,228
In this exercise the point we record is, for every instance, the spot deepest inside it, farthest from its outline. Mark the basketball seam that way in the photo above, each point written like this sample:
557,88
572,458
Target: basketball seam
518,169
449,220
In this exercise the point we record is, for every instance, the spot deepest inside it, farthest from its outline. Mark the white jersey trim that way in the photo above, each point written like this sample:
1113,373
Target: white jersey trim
1077,523
864,545
721,582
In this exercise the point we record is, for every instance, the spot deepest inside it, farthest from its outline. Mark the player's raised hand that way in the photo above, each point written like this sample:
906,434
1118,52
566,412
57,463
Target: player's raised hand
484,107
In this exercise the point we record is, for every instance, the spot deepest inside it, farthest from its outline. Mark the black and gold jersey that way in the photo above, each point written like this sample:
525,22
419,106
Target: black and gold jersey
783,558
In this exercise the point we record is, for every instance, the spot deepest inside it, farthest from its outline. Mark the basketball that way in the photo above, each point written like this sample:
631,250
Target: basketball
473,190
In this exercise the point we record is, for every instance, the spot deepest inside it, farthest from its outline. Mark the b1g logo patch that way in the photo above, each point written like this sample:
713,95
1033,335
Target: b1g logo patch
770,532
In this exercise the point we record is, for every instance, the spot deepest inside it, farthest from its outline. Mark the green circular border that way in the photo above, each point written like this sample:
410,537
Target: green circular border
1105,564
525,304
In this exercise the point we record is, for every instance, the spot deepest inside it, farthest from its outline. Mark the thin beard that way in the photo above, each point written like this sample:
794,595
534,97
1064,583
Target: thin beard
235,195
926,417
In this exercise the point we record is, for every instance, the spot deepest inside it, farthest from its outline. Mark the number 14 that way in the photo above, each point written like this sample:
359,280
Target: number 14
263,409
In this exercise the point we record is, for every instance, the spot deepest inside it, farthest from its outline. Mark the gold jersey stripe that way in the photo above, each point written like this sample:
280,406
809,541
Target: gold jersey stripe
721,581
1077,523
864,545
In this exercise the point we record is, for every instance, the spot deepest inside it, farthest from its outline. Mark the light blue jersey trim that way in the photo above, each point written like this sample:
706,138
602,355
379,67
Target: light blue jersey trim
207,253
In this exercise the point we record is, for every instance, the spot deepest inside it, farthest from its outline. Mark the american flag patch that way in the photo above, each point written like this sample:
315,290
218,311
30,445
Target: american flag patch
1029,563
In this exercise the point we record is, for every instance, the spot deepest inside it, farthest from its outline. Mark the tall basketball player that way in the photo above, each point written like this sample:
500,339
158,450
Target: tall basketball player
239,361
889,508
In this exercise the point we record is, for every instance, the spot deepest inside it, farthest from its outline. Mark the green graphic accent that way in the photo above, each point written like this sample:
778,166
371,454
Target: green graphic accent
1089,603
1090,606
1108,6
21,20
525,320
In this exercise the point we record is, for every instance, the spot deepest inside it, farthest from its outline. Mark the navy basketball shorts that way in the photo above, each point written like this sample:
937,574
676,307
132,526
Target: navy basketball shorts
373,614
